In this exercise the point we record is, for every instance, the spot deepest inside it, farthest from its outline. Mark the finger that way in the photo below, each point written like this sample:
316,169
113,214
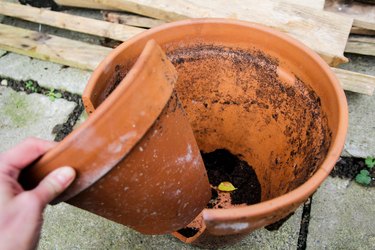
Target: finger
23,154
54,184
8,189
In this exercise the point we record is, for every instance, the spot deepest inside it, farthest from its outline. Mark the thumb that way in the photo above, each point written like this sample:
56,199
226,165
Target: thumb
54,184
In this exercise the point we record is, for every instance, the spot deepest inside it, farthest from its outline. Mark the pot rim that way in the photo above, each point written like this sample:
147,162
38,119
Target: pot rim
297,195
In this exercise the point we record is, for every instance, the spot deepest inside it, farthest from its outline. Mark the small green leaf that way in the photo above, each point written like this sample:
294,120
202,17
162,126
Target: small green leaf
364,172
30,86
52,98
58,95
370,162
226,186
363,179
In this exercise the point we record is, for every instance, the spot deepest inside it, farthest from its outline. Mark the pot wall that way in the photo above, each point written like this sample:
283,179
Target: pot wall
160,186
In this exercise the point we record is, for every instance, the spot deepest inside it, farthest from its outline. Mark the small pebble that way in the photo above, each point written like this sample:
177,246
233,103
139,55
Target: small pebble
4,82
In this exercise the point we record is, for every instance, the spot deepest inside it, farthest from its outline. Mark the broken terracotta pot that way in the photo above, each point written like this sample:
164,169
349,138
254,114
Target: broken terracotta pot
255,92
136,158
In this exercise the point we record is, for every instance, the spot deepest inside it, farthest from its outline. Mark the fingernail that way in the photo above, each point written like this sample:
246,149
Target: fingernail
65,175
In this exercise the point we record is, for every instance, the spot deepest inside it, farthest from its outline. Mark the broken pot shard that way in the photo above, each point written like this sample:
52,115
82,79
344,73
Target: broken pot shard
136,155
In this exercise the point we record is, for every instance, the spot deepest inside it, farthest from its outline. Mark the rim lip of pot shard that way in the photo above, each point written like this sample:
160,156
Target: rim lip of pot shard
110,133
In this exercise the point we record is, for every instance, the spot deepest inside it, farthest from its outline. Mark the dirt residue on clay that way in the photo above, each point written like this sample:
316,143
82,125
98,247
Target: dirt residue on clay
231,93
118,76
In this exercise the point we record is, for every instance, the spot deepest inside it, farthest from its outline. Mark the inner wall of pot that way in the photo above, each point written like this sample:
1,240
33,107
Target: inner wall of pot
245,101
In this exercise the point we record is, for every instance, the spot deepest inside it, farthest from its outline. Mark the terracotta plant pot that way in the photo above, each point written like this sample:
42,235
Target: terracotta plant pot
130,167
257,93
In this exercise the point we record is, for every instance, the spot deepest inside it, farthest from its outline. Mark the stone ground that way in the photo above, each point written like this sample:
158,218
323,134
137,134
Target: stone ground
341,212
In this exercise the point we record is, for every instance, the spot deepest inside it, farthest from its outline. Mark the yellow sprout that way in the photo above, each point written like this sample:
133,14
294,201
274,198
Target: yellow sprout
226,186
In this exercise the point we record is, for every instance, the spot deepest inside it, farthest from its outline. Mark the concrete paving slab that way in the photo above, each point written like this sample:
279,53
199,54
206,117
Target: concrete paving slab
360,141
25,115
286,237
342,216
47,74
67,227
361,64
2,52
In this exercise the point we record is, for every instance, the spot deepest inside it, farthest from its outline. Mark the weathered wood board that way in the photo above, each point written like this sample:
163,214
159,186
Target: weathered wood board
71,22
132,20
355,82
362,31
86,56
92,4
324,32
316,4
51,48
89,4
363,14
363,45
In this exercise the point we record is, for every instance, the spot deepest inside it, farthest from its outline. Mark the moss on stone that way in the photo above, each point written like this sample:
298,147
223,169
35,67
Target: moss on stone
17,109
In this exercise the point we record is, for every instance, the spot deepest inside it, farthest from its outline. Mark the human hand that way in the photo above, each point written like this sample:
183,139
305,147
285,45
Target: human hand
20,210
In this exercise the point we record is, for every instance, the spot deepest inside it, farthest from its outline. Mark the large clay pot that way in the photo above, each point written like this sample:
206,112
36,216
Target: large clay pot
136,158
259,94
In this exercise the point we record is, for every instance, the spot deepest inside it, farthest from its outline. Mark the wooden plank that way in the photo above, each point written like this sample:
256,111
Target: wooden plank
88,4
51,48
316,4
92,4
355,82
324,32
361,31
86,56
70,22
364,24
132,20
361,45
359,11
363,14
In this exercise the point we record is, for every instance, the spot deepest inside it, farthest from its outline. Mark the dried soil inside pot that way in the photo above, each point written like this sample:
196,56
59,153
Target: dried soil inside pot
222,166
250,103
